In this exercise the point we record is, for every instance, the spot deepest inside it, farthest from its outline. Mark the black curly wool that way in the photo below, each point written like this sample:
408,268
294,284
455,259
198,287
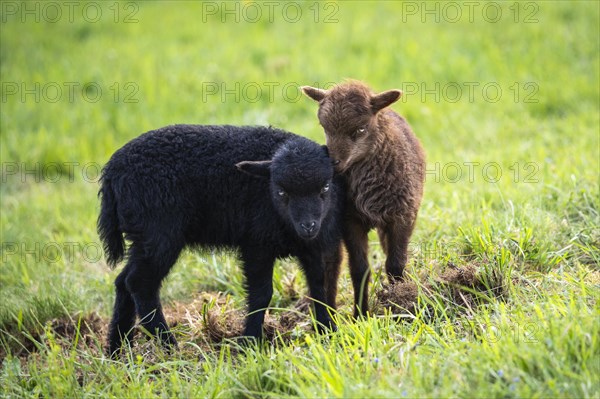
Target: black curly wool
261,191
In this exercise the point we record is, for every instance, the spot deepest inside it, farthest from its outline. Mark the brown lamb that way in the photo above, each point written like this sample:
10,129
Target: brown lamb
384,163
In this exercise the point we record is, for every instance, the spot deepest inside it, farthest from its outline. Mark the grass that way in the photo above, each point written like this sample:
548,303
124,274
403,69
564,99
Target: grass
512,192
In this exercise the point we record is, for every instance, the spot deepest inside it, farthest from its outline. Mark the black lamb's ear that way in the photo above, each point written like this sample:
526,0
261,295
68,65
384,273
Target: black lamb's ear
255,168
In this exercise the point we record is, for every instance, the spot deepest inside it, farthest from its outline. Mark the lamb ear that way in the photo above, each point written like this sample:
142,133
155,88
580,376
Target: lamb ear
382,100
255,168
314,93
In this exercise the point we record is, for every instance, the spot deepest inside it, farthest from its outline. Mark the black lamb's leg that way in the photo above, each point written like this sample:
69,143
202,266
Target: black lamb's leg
258,271
314,268
123,319
144,281
333,261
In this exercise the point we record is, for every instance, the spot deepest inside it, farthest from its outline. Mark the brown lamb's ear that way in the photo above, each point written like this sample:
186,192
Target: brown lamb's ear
314,93
382,100
255,168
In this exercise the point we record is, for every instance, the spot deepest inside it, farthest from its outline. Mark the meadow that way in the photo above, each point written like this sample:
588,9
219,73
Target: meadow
501,295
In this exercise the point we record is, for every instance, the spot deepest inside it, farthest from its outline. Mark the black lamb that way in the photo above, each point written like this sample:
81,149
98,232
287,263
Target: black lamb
264,192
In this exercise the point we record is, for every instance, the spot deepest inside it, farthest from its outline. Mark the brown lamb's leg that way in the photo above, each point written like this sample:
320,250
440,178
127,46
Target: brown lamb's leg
357,245
382,239
397,236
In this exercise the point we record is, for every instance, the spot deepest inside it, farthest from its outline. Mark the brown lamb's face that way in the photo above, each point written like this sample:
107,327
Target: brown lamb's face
347,113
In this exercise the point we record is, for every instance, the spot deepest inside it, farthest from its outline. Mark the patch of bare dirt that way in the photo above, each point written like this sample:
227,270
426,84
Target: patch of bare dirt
214,318
83,329
464,286
402,296
86,331
210,318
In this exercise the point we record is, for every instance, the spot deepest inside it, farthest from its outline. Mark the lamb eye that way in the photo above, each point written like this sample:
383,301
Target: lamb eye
281,193
360,130
325,188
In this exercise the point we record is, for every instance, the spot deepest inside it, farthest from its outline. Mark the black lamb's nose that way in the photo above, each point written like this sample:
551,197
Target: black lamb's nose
309,227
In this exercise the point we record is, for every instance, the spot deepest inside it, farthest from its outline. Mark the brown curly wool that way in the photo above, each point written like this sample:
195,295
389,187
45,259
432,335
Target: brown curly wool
384,163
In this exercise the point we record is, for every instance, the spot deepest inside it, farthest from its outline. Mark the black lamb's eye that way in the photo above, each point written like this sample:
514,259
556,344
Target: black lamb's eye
281,193
325,188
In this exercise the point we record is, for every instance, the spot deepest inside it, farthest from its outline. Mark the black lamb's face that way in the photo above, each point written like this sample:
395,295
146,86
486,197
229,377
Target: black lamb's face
303,209
301,188
300,176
